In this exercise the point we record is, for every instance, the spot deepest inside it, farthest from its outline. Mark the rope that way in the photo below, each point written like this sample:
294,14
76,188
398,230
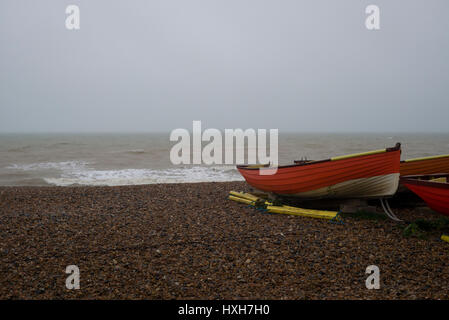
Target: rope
387,210
337,219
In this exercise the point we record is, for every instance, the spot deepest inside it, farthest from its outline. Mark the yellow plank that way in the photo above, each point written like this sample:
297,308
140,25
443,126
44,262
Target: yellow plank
445,238
250,199
312,211
300,212
242,200
244,195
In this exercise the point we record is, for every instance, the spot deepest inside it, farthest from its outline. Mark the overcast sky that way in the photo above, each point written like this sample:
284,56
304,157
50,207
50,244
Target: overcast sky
156,65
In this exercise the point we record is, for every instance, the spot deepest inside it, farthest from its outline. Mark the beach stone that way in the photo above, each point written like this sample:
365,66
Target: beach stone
187,241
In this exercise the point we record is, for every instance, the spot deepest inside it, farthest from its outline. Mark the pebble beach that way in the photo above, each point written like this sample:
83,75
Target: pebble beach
187,241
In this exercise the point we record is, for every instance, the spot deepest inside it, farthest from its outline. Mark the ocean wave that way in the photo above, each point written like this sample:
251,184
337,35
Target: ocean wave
62,166
146,176
136,151
62,143
19,149
130,151
67,173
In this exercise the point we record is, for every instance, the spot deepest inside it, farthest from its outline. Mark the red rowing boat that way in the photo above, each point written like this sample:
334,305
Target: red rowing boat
425,165
371,174
433,189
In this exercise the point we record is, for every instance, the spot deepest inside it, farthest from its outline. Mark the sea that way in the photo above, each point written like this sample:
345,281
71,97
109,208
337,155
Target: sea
115,159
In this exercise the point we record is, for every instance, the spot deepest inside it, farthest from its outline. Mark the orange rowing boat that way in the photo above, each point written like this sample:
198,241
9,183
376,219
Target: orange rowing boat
371,174
426,165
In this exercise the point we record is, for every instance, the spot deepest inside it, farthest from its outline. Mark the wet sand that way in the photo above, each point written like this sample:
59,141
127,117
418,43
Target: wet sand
186,241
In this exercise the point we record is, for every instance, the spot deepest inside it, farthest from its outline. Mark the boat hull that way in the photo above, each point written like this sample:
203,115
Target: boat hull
367,176
430,165
373,187
435,194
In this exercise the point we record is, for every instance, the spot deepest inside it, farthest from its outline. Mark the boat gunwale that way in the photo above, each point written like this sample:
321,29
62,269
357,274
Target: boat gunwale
311,162
415,180
441,156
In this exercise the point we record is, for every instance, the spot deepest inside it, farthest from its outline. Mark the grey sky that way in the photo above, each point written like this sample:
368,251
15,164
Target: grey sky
289,64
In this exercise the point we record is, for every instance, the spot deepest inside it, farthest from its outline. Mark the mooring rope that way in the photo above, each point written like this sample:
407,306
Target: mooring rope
387,209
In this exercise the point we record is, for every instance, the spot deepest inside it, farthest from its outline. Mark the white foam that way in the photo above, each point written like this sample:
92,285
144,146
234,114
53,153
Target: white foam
67,173
62,166
146,176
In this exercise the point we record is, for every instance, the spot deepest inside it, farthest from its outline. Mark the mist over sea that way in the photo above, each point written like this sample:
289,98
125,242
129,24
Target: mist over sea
129,159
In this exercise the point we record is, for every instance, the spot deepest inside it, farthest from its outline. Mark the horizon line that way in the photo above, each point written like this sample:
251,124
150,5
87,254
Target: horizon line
168,132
